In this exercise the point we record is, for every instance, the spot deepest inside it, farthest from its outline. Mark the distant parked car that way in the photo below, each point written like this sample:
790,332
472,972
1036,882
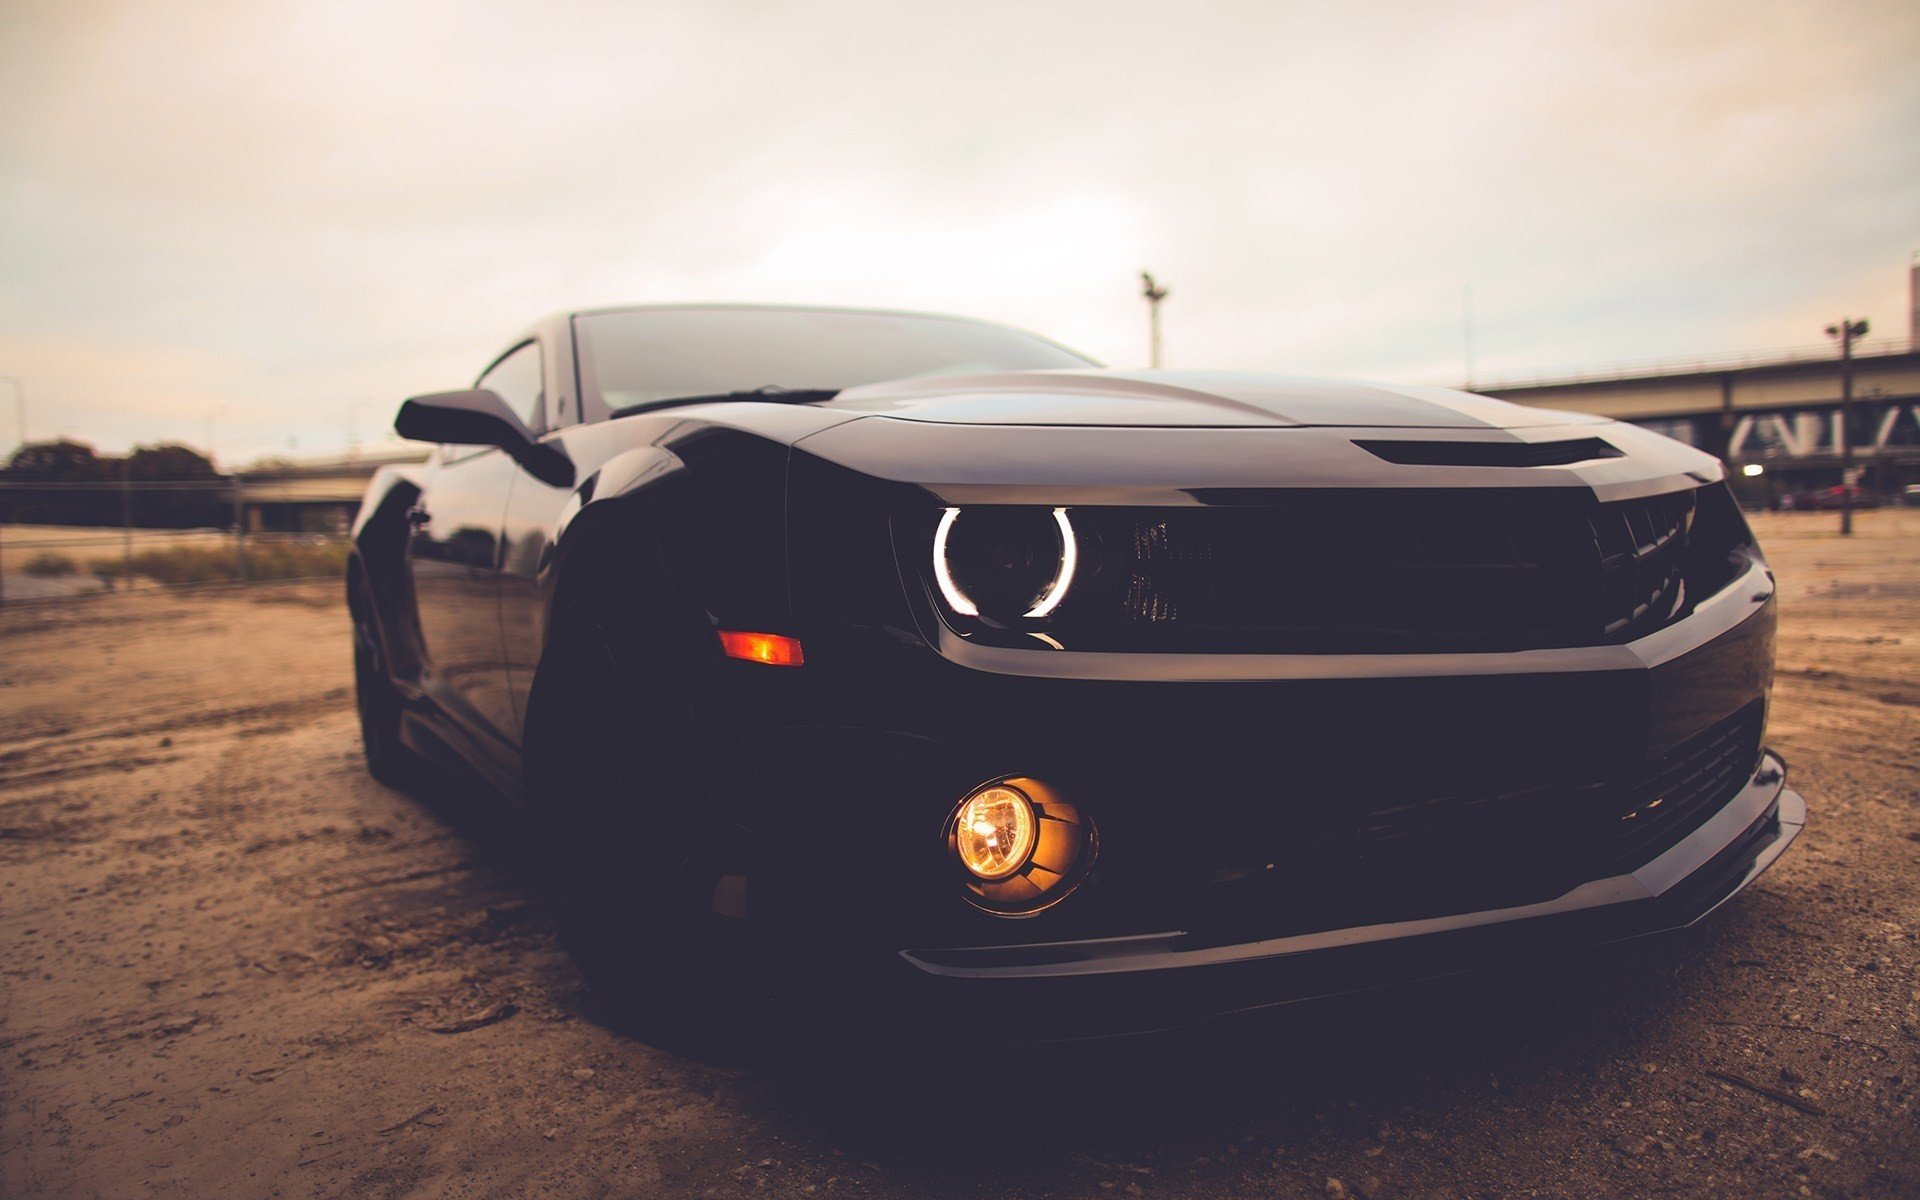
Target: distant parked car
1830,498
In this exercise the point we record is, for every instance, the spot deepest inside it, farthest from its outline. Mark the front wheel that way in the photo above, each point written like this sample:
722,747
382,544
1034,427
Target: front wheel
625,783
388,760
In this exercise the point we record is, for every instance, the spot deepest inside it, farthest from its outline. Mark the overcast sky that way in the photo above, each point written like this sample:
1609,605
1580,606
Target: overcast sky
275,221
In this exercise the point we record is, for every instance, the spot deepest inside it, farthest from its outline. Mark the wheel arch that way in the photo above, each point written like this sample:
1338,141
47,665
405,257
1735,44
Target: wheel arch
657,534
377,556
703,514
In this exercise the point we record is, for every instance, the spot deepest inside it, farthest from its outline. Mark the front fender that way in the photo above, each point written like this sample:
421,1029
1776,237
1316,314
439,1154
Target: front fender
703,513
664,543
379,545
388,484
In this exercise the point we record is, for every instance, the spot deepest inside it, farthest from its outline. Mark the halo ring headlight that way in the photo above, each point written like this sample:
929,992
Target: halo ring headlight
1005,563
1069,562
943,570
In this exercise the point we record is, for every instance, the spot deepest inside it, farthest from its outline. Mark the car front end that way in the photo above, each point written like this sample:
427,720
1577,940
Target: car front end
1104,727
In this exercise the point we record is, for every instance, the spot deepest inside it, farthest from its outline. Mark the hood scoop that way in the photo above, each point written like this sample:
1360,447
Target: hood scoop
1491,454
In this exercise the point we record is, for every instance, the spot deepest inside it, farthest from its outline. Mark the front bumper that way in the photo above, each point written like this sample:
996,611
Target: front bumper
1118,985
1076,990
1191,765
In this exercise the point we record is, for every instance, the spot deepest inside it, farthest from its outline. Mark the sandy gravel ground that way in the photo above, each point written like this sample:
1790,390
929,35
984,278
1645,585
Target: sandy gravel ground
236,966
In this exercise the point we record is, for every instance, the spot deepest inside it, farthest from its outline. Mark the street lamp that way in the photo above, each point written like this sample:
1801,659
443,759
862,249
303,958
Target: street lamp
1846,332
1154,294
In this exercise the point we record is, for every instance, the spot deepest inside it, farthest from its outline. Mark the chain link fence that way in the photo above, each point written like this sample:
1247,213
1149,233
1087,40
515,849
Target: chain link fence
61,541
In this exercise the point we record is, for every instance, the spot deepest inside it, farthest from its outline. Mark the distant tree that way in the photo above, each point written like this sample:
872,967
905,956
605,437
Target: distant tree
59,465
58,462
170,461
55,462
176,507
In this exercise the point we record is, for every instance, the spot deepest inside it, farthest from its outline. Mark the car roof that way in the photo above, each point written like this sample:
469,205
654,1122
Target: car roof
722,306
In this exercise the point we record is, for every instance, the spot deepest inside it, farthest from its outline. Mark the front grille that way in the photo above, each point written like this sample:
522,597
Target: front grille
1594,828
1399,570
1484,847
1676,793
1642,546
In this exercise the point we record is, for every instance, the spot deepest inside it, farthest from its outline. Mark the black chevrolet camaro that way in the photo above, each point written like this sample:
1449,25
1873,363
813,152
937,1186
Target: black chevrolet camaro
917,670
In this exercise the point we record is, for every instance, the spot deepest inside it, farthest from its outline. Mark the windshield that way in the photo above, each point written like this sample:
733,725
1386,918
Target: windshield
631,360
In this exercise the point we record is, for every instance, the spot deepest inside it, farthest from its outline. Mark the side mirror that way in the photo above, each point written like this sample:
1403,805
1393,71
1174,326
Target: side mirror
479,417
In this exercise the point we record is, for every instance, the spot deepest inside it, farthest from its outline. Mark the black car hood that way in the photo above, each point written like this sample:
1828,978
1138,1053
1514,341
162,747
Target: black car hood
1186,399
1183,437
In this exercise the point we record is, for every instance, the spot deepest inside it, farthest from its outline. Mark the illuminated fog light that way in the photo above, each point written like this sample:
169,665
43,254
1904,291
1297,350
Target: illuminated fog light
1021,846
994,832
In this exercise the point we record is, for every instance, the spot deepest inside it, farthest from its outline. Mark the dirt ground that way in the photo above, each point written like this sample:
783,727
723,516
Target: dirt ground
236,966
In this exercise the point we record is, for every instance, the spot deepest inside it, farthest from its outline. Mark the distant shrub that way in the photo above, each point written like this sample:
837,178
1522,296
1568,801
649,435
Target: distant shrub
297,560
48,564
182,565
185,564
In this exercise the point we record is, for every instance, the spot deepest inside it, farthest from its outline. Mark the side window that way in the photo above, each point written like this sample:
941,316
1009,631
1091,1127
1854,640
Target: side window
518,380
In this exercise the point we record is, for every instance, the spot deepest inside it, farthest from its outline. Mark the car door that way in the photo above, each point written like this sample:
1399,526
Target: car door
533,514
455,550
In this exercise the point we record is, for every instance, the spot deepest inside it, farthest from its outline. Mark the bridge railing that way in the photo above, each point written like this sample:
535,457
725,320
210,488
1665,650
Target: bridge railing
1614,372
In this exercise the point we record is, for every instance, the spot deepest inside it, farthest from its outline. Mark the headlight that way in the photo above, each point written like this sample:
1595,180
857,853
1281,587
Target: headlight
1005,563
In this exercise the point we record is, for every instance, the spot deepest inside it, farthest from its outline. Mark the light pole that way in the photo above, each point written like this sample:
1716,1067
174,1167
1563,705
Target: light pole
1466,328
1154,294
1845,332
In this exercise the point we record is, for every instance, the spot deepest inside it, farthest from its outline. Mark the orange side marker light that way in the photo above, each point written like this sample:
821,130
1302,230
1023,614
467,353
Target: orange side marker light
769,648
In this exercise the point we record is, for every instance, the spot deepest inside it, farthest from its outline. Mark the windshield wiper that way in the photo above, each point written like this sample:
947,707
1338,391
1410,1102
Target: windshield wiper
772,392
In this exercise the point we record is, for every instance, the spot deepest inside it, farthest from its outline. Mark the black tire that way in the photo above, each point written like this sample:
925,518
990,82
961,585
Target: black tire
388,760
626,788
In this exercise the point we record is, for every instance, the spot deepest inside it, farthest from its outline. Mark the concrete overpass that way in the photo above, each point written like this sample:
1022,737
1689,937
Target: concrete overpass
311,495
1781,412
1778,412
